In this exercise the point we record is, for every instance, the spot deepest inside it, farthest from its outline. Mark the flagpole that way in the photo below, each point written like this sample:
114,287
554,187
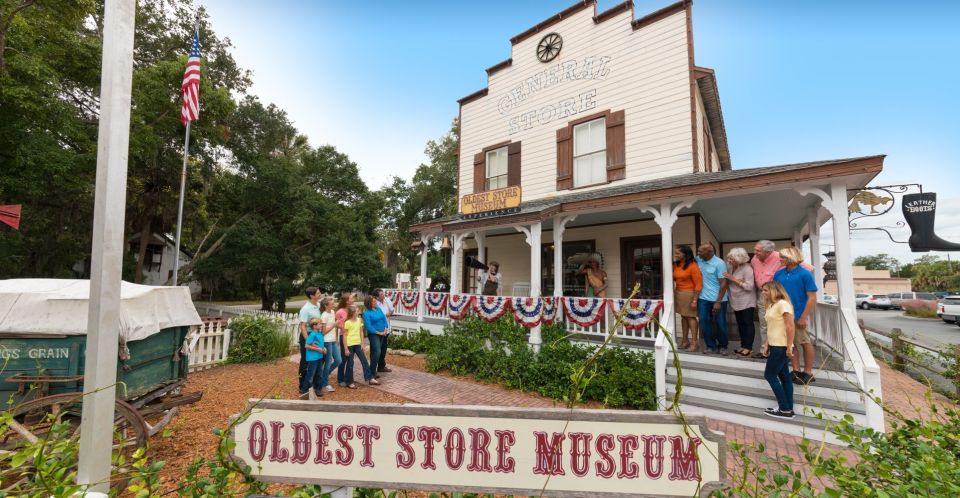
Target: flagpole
183,186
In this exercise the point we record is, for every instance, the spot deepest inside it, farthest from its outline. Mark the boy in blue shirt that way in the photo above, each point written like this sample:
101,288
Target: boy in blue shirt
313,354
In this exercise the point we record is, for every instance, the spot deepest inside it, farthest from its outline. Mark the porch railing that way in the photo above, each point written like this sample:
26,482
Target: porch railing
837,328
596,330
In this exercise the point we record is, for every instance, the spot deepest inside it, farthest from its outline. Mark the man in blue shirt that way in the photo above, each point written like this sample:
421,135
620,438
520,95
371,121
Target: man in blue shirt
801,287
712,305
309,311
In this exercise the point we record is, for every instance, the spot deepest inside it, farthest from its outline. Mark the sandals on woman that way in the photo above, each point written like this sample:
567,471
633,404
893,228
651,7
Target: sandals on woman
744,352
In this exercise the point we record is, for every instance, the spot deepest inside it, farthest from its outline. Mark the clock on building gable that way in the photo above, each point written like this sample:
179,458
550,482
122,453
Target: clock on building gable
549,47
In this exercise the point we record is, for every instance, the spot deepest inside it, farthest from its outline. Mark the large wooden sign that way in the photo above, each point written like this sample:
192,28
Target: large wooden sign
519,451
491,203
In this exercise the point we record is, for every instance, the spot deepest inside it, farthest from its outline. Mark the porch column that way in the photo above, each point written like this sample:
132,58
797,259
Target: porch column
666,215
455,263
424,251
481,239
533,239
798,238
835,201
816,259
559,226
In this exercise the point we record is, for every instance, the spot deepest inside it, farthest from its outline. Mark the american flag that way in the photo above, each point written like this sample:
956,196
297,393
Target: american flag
191,83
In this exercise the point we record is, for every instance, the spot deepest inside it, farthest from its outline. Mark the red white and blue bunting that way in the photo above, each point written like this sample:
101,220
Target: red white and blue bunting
409,299
639,311
458,305
584,311
549,310
393,296
490,308
436,301
527,310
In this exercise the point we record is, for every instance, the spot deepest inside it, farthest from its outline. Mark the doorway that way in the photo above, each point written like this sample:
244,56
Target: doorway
641,263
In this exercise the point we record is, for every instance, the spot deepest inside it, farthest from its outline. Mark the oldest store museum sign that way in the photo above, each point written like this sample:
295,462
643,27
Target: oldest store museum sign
555,452
491,203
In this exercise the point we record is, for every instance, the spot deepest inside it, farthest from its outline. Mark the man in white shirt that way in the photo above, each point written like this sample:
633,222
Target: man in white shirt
387,308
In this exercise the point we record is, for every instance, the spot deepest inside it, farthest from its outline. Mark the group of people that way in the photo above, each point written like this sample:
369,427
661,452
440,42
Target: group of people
776,285
335,333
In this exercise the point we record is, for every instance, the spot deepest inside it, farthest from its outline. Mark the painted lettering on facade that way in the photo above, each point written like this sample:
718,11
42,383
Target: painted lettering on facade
489,451
35,353
520,117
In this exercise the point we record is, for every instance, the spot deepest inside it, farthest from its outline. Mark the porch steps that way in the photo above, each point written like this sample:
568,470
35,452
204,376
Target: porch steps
734,390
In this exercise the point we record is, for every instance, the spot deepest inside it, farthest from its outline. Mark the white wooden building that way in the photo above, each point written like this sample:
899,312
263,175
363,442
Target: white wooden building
615,137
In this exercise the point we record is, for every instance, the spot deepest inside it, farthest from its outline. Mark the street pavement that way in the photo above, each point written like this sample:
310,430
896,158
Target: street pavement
933,333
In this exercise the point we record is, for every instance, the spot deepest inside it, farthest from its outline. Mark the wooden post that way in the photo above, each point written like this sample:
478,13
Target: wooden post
899,363
103,321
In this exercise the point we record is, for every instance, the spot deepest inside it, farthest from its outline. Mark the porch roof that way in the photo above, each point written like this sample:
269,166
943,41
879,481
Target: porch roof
856,172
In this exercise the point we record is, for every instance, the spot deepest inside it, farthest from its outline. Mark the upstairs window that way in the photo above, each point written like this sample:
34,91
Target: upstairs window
497,169
590,153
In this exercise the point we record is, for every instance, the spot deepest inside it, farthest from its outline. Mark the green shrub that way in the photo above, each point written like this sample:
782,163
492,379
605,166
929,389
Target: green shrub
255,339
499,352
420,341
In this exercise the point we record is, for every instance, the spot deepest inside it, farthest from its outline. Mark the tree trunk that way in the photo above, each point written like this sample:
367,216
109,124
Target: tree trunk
145,234
266,296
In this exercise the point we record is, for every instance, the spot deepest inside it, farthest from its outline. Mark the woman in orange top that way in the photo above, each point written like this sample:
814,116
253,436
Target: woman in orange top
687,284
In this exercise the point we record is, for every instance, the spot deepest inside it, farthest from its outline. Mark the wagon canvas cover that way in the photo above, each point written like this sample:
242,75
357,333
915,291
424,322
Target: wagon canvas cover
59,307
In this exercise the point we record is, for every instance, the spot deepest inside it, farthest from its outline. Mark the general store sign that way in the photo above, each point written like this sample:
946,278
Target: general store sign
491,203
519,451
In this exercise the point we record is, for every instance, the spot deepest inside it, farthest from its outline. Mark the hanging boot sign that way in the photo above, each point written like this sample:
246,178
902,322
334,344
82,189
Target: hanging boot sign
920,211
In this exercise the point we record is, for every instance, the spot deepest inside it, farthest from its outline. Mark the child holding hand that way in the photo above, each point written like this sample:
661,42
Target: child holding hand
314,351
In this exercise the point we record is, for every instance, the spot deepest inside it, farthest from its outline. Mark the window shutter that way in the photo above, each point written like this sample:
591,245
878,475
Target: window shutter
565,158
479,172
513,164
616,147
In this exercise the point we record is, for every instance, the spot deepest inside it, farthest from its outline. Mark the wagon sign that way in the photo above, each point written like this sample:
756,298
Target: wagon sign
518,451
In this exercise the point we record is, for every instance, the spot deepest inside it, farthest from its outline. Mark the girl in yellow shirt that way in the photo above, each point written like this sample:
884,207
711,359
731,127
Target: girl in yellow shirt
779,348
353,341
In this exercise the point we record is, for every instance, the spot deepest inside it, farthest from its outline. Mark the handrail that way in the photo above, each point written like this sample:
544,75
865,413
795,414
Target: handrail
660,352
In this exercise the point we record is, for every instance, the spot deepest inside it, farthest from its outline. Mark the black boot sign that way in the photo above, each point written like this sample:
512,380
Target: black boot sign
920,211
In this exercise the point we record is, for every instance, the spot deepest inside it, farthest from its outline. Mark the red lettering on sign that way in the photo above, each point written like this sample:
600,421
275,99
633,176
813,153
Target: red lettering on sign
257,440
605,467
549,458
686,465
367,434
454,448
324,433
628,468
344,435
430,436
505,463
277,454
653,455
405,457
580,453
479,451
301,442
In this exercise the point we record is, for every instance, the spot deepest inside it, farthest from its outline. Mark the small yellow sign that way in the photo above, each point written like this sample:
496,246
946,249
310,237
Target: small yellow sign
494,200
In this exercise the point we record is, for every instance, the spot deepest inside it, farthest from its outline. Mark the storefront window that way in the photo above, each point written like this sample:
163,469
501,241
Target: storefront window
573,254
497,168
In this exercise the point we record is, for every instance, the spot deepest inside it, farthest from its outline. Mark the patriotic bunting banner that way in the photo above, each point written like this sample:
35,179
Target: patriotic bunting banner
436,301
392,296
527,310
639,311
409,299
549,310
584,311
490,308
458,305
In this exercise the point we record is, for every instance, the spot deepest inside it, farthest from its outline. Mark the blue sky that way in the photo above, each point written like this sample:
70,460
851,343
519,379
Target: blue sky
798,81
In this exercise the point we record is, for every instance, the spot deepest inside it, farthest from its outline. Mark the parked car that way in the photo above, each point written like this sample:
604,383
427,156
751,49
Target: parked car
898,297
871,301
948,309
830,299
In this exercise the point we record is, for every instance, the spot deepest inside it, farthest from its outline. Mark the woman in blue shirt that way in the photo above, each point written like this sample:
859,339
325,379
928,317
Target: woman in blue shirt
375,323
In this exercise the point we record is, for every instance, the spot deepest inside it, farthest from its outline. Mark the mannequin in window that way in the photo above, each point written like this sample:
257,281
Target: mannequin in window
596,279
490,280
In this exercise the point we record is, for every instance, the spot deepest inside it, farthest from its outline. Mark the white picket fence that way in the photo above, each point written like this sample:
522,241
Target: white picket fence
209,344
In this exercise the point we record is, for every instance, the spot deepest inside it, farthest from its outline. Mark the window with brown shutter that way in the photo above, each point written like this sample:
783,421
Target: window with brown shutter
612,147
496,166
479,172
513,164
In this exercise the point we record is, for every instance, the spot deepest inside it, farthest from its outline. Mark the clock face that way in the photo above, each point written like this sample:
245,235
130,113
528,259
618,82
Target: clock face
549,47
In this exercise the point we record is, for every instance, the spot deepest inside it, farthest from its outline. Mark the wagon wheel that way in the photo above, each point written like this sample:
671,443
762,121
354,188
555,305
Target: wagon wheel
33,420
